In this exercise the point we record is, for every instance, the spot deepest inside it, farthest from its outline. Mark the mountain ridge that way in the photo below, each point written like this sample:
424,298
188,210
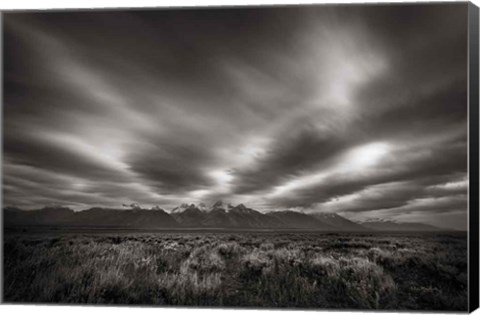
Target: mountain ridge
220,215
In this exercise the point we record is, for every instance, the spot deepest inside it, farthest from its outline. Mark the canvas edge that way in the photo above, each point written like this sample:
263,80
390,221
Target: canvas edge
473,131
473,218
2,271
240,5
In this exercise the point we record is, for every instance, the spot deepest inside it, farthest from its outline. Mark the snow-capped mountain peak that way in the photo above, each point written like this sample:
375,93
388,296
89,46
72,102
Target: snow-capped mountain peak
181,208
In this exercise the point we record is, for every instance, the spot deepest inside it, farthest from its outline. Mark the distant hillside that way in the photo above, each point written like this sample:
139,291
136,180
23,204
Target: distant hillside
136,218
338,222
220,215
300,220
94,217
188,216
385,225
44,216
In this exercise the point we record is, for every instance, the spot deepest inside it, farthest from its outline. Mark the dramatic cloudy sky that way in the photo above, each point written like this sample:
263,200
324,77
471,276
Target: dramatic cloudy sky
359,110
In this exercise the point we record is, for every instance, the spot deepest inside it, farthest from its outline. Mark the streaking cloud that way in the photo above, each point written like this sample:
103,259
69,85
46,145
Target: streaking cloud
318,108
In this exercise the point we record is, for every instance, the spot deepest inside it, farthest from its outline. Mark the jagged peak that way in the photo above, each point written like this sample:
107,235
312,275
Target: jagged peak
181,208
241,208
134,206
218,204
185,206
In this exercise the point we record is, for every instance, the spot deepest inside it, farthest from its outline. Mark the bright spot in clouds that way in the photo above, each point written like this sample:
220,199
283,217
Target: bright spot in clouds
357,160
364,156
222,177
106,154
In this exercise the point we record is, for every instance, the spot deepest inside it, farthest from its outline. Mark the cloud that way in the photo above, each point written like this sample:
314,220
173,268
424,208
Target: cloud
325,108
295,153
399,164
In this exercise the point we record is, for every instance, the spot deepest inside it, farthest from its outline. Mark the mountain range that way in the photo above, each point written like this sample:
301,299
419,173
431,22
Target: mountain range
220,215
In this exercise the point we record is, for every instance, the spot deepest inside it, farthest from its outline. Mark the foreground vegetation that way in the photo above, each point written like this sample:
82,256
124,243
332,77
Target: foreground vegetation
305,270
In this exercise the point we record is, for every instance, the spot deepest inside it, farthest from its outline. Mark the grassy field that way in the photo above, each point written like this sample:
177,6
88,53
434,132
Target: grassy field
304,270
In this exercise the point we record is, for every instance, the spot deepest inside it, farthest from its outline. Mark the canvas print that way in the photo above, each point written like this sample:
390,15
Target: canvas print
311,157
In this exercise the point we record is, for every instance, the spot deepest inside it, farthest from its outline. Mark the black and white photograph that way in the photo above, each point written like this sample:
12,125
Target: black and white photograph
266,157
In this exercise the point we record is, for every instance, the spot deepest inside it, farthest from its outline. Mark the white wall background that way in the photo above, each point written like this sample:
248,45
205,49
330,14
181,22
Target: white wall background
81,310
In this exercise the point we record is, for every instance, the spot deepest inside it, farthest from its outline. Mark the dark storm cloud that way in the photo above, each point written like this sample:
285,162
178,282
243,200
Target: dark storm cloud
174,167
43,188
392,195
56,156
416,165
422,93
306,148
297,151
354,109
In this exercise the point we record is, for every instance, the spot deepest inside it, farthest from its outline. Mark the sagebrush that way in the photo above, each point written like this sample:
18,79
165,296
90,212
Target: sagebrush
303,270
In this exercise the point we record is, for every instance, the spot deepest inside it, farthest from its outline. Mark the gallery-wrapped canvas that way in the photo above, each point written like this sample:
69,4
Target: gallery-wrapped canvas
303,156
